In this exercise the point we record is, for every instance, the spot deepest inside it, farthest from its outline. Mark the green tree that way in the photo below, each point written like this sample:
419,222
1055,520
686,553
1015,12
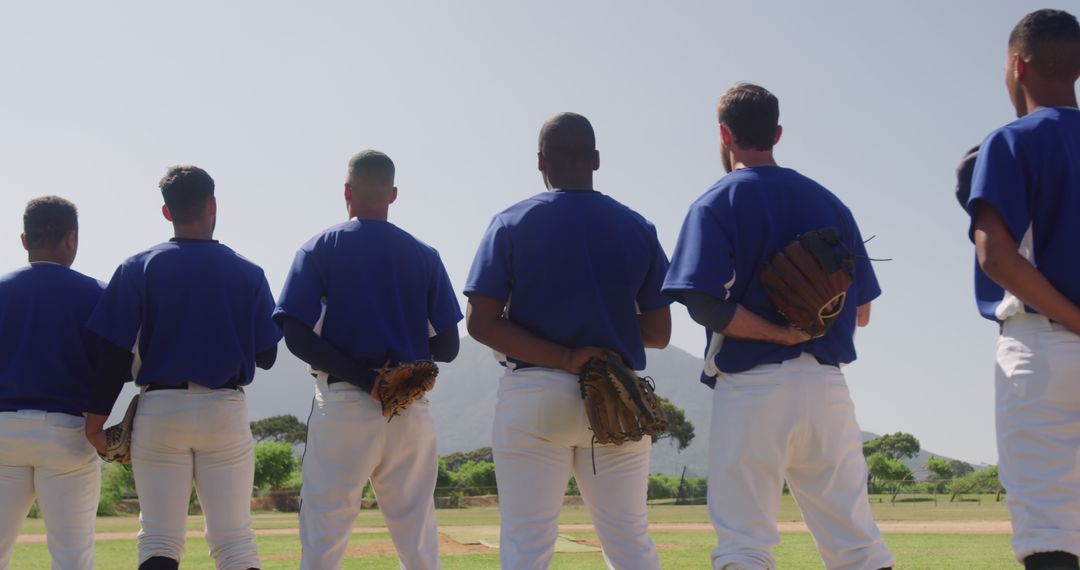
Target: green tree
679,428
454,461
274,463
286,428
445,481
894,445
884,468
984,481
961,468
476,478
940,469
117,480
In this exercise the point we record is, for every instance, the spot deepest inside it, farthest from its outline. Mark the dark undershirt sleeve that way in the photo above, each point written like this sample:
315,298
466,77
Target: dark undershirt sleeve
321,355
114,369
708,311
266,358
445,345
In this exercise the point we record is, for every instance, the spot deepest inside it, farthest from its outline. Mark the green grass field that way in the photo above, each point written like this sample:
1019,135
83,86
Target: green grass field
678,549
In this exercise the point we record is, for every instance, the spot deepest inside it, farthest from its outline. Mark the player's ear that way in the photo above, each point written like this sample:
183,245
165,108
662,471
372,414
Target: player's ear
1019,67
165,212
393,194
348,192
211,206
22,238
779,131
541,164
71,242
725,135
596,160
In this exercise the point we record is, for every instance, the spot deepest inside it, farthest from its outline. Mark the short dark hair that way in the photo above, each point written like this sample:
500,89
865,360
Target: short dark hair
47,220
1050,40
567,141
752,114
186,189
372,164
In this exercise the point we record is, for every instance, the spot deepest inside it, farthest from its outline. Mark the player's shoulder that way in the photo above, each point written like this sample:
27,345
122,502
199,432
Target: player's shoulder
517,211
1047,121
620,209
14,276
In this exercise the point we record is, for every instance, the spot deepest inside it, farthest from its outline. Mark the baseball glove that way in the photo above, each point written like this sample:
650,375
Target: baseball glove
118,437
404,384
808,280
621,406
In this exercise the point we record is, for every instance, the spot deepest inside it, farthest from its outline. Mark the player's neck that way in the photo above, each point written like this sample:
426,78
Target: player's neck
1051,96
378,212
48,256
193,231
753,159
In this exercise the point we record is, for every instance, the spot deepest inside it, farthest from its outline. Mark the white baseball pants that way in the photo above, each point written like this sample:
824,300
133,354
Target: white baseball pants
794,421
198,435
1038,433
46,455
541,436
349,441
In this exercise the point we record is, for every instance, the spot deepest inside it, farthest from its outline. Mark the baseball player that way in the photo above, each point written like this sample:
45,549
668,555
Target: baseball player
198,317
46,372
363,295
781,408
1025,222
562,277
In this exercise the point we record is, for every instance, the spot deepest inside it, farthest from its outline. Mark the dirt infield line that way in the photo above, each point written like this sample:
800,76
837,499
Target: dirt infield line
892,527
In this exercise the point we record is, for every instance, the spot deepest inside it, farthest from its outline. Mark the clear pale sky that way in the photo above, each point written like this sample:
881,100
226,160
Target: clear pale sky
878,102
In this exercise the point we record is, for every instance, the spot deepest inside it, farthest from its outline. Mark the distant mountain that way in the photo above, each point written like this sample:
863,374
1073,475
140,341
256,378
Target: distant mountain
463,402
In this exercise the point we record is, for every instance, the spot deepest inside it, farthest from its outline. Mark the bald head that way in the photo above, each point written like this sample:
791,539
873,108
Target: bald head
568,154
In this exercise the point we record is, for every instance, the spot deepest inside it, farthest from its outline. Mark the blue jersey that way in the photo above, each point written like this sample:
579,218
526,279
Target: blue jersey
576,269
199,310
739,224
385,293
1029,171
47,360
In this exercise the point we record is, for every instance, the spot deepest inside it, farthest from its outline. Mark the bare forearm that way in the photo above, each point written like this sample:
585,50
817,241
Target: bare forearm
484,317
998,257
748,326
655,327
510,339
1018,276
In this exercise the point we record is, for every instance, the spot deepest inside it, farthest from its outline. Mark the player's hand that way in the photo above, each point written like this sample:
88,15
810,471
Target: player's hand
796,336
97,439
576,358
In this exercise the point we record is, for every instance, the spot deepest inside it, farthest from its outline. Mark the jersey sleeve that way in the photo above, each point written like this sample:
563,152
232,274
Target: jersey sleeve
443,309
118,315
490,274
303,292
267,334
649,296
704,258
999,181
